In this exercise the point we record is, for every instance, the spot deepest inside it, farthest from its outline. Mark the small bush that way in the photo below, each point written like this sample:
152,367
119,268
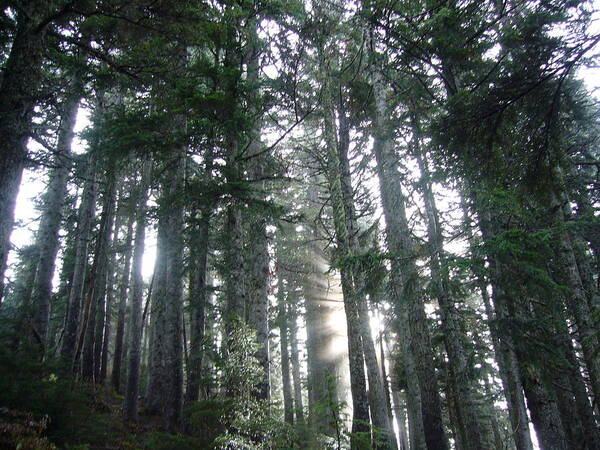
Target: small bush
20,430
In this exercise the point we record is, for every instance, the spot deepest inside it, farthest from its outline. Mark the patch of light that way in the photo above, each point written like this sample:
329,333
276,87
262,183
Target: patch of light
149,258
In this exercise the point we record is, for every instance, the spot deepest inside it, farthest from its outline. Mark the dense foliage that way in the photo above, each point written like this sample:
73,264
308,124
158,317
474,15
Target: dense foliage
373,225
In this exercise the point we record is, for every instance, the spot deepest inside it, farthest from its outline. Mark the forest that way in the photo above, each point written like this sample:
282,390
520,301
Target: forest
299,224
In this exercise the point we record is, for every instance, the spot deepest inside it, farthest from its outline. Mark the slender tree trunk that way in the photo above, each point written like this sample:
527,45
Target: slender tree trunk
576,412
207,387
103,316
384,437
377,404
506,358
155,331
172,396
110,296
84,224
21,79
198,298
92,346
475,431
131,406
510,375
122,296
258,246
386,384
235,283
360,419
295,357
541,400
47,237
258,295
590,436
400,407
400,413
403,277
577,300
288,404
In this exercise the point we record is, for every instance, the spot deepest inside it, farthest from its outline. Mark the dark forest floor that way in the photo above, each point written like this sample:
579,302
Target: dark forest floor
91,419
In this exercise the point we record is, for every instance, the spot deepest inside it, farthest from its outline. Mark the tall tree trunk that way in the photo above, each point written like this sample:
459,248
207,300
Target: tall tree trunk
577,300
235,264
510,375
47,237
208,366
21,79
155,332
170,344
400,413
360,419
288,400
122,296
92,345
130,405
386,384
295,355
110,296
377,400
258,246
400,407
541,400
84,225
403,276
508,366
590,436
198,299
258,292
103,314
234,278
576,412
476,432
590,230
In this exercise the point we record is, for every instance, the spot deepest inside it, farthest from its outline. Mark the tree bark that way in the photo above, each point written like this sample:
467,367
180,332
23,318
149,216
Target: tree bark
510,375
21,78
577,300
48,233
258,245
505,356
92,344
130,405
155,332
122,296
288,400
476,432
172,315
84,224
198,299
110,295
541,400
258,293
384,434
360,419
403,276
295,356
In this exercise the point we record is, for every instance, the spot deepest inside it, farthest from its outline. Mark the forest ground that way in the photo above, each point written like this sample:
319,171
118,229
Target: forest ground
90,418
